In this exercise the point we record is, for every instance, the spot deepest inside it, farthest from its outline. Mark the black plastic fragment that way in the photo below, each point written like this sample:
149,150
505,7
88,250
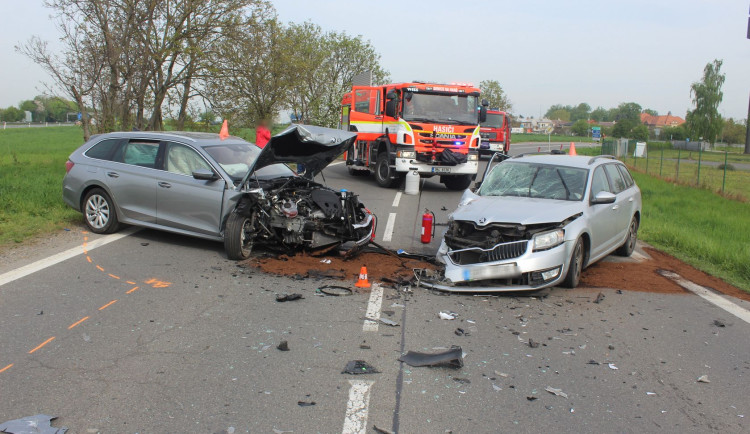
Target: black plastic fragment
305,403
288,297
283,346
335,290
599,298
358,367
452,358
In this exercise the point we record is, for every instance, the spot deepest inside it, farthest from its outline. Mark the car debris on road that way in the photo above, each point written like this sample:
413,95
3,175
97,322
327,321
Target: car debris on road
452,358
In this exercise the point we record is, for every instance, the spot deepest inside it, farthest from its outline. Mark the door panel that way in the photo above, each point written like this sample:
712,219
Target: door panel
132,178
603,216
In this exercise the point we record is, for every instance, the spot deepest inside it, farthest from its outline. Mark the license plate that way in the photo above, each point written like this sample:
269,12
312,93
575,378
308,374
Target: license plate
491,272
441,170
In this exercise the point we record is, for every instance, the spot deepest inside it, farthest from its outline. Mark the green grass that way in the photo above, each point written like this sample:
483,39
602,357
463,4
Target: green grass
32,165
524,137
697,226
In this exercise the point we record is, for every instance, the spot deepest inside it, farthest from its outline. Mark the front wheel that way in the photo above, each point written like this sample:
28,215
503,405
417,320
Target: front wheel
457,182
626,249
576,265
384,173
238,236
99,212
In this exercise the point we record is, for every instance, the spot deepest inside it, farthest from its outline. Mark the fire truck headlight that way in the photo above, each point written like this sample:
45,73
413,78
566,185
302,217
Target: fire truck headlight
472,157
406,154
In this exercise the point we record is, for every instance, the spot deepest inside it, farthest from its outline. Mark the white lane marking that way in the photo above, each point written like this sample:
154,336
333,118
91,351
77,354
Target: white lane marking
396,199
389,227
710,296
355,421
336,163
62,256
373,309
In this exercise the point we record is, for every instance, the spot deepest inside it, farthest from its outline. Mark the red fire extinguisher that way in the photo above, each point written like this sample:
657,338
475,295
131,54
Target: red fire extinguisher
428,226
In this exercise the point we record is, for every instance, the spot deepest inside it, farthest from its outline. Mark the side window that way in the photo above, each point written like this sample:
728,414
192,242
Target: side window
599,182
183,160
139,153
367,101
626,175
617,183
103,150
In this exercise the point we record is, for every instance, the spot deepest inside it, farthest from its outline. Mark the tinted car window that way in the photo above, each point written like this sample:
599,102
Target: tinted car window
599,181
618,184
626,175
103,150
183,160
140,153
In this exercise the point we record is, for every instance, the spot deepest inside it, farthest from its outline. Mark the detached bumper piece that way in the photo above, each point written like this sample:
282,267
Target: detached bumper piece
453,358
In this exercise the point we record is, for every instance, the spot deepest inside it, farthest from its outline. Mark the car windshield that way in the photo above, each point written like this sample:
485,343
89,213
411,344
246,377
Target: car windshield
494,120
450,109
542,181
236,159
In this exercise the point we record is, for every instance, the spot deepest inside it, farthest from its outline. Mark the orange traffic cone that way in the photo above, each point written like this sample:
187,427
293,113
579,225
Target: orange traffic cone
224,133
572,149
362,282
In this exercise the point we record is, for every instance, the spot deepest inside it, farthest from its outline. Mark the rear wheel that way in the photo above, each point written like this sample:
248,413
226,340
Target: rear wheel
99,212
626,249
384,173
576,265
238,236
457,182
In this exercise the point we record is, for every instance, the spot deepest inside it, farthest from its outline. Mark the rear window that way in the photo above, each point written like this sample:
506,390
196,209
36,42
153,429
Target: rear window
103,150
140,153
626,175
617,183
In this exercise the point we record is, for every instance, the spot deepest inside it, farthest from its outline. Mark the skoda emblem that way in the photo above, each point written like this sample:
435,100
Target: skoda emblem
482,221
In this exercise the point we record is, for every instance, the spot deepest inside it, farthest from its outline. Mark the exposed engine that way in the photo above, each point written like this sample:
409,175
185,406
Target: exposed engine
293,213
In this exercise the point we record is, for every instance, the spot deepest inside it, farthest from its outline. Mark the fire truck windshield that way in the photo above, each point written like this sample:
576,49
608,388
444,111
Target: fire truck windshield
494,120
449,109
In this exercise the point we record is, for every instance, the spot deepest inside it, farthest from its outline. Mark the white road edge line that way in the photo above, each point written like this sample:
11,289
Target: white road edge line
389,227
710,296
373,309
355,421
336,163
62,256
396,199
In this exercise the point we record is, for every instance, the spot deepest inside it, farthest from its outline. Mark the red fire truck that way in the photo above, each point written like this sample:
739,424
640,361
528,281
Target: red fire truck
495,132
425,127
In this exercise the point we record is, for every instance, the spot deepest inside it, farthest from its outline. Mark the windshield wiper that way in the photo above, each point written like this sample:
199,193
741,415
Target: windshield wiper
567,191
531,184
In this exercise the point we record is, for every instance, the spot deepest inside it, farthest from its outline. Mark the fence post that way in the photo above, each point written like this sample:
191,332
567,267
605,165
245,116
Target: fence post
661,162
646,150
700,155
677,176
724,181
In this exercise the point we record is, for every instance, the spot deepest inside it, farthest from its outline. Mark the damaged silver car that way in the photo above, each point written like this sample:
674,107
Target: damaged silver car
223,189
537,221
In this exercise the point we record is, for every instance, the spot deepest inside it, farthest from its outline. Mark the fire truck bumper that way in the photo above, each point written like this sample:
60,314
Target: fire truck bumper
487,147
406,164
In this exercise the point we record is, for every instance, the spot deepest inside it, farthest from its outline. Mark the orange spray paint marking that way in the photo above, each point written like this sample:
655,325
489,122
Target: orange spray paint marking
85,252
42,344
88,258
85,238
100,268
78,322
114,277
129,282
158,283
6,368
132,290
108,304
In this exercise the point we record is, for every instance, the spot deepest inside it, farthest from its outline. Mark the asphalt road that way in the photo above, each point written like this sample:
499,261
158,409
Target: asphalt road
154,332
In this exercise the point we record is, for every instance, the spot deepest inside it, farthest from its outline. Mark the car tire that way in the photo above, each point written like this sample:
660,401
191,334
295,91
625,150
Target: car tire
235,233
384,172
99,212
457,182
627,248
575,268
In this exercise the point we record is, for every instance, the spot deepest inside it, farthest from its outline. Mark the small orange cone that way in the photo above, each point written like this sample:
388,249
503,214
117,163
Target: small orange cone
362,282
572,149
224,133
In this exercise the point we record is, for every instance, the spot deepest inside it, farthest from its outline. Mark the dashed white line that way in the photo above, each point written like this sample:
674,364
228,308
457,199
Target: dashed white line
709,296
389,227
373,309
62,256
355,421
396,199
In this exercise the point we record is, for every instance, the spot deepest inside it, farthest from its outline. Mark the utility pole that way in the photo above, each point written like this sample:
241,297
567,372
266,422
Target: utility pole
747,121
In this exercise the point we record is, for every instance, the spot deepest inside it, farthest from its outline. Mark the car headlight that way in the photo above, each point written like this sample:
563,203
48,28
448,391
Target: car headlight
406,154
472,157
548,240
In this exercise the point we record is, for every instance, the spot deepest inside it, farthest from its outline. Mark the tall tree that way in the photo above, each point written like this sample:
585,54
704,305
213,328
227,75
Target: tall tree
494,93
704,120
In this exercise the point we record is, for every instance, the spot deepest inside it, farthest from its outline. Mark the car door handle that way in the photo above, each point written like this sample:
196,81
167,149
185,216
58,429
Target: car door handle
113,174
630,200
165,185
378,117
616,206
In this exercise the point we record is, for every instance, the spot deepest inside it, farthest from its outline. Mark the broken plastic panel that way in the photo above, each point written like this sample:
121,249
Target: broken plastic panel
453,358
39,424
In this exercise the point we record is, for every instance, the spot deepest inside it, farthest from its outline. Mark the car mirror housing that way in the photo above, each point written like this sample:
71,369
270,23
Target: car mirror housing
205,175
603,197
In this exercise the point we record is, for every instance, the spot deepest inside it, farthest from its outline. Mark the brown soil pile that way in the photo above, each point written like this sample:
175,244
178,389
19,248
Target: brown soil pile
379,266
644,277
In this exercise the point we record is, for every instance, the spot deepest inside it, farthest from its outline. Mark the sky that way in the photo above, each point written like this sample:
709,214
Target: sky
543,52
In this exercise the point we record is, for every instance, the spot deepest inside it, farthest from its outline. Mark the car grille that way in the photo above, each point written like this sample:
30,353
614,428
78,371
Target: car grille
500,252
488,135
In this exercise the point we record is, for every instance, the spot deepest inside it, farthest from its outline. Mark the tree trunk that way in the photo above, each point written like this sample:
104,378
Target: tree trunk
185,98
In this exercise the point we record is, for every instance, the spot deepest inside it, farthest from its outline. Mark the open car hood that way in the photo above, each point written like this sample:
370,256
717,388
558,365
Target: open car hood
314,147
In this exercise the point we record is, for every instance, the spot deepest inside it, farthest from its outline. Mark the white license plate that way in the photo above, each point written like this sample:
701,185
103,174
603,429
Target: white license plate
492,272
441,170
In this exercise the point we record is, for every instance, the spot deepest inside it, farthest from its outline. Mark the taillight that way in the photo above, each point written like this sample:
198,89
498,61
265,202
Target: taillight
69,165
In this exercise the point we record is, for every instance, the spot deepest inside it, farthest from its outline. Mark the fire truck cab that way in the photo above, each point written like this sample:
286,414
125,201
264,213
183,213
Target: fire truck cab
425,127
495,132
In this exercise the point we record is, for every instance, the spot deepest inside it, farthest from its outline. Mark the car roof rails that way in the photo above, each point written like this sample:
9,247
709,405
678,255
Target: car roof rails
610,157
552,152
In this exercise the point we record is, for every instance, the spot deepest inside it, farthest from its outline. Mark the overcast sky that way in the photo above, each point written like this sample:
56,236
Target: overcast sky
542,52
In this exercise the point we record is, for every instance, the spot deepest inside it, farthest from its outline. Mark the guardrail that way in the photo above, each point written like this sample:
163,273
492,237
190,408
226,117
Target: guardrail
6,125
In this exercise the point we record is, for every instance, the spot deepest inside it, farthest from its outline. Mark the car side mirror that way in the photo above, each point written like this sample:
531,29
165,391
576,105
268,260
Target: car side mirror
483,113
390,108
603,197
205,175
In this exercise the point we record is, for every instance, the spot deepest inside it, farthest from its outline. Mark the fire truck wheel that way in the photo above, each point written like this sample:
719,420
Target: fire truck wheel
457,182
384,173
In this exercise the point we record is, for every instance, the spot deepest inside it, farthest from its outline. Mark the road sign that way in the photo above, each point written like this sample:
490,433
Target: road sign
596,132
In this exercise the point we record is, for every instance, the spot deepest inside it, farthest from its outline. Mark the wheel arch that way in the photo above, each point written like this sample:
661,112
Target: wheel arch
586,248
90,187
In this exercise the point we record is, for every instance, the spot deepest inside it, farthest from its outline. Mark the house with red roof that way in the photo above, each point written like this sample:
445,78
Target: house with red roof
661,121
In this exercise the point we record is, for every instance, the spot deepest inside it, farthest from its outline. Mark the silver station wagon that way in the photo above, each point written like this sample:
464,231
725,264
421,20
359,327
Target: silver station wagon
537,221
